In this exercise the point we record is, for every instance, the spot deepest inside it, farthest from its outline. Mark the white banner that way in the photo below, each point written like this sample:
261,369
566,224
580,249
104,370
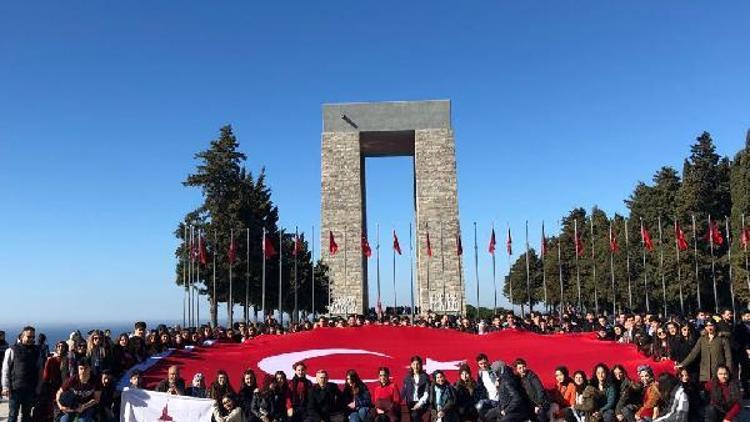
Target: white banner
150,406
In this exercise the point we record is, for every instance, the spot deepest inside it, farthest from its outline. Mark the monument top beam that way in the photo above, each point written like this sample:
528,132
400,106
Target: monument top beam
387,116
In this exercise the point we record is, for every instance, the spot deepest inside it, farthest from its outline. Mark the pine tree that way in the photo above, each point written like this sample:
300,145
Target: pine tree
740,190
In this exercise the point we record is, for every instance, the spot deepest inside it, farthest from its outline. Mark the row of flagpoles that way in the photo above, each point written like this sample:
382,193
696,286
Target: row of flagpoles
197,257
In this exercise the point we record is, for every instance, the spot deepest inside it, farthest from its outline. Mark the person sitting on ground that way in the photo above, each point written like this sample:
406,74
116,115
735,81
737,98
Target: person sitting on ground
514,405
136,379
605,394
227,410
220,387
563,395
299,388
79,396
534,389
487,385
415,390
577,411
650,398
466,394
247,393
197,387
324,403
675,406
109,406
724,396
442,399
386,397
356,397
173,385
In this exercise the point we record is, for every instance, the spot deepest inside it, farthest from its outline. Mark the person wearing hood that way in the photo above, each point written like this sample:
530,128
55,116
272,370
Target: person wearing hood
197,387
514,403
714,350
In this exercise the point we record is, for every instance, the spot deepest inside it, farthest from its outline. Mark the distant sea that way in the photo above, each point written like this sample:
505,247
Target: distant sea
61,331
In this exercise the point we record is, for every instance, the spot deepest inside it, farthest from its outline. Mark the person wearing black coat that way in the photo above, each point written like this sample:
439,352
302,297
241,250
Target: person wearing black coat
534,389
442,399
515,405
324,401
415,390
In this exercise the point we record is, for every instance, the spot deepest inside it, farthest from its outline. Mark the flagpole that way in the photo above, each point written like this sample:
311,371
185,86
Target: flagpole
346,270
528,271
476,265
679,270
393,250
544,270
729,260
281,287
612,268
560,270
627,266
411,272
510,280
593,265
429,261
661,268
578,271
379,303
263,280
713,263
744,247
461,310
312,264
494,278
198,278
184,275
247,277
190,279
215,303
230,301
645,272
697,275
295,316
442,269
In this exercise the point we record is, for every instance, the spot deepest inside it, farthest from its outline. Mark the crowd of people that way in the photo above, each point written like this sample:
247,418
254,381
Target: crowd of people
77,380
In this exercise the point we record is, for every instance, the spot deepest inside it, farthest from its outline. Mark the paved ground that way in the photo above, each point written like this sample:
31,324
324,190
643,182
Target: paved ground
3,409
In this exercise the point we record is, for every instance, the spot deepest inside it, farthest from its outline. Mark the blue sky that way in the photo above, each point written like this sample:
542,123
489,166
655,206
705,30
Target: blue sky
555,105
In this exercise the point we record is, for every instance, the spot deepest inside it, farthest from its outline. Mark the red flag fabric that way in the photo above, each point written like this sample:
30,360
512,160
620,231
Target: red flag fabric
491,247
714,234
509,243
429,245
543,245
202,256
578,245
363,349
333,247
679,235
614,247
232,250
745,237
297,245
459,245
268,249
396,245
366,250
646,238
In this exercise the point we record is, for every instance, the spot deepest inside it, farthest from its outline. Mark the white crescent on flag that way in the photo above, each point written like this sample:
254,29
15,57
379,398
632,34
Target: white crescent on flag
283,362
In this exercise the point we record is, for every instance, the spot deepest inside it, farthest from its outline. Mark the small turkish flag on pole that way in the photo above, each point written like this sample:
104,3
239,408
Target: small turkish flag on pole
646,239
201,250
396,245
332,246
491,247
543,245
679,235
366,250
613,246
268,249
232,248
745,238
429,245
509,243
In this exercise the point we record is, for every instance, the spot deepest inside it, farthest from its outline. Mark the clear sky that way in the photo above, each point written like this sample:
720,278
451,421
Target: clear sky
555,105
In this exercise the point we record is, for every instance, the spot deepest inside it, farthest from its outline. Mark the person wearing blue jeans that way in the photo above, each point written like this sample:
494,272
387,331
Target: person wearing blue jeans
79,396
22,366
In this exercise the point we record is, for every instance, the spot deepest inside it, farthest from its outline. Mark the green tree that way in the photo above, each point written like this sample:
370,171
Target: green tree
740,190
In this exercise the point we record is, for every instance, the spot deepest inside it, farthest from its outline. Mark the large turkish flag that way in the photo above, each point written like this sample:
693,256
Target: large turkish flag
367,348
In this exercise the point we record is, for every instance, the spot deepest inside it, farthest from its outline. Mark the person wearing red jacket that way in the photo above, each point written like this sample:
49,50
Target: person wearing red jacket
725,396
386,397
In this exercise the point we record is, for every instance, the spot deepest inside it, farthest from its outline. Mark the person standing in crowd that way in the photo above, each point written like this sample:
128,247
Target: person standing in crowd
138,342
742,339
76,355
197,387
299,387
356,397
724,396
442,399
386,398
109,402
122,357
466,395
415,390
534,389
3,344
324,403
97,353
136,379
22,375
220,387
41,342
174,384
713,349
269,404
79,396
54,376
247,393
